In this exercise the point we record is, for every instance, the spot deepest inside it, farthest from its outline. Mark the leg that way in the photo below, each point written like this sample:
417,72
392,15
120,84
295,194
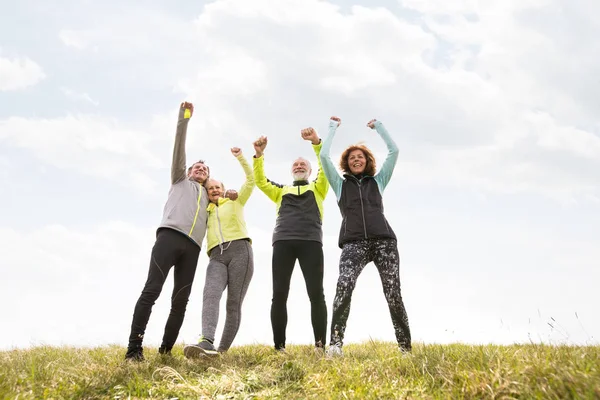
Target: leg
185,270
310,256
387,261
352,261
240,271
284,259
215,284
163,256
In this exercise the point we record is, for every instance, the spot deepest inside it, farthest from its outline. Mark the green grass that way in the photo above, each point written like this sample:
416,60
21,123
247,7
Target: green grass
372,370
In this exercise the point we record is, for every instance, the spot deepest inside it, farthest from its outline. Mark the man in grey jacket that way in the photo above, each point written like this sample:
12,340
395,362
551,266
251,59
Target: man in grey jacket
178,241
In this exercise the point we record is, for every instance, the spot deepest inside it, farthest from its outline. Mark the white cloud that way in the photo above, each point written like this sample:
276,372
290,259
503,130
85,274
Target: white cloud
19,73
89,145
472,105
74,38
76,96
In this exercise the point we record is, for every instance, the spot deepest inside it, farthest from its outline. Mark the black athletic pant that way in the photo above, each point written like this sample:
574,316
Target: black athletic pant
310,256
171,248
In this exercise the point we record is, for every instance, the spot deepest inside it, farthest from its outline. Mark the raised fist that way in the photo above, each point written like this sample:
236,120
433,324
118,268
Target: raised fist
236,151
371,123
337,119
188,109
231,194
259,145
310,134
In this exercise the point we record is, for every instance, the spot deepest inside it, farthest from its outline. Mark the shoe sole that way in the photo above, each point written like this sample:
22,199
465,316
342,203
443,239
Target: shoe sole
198,352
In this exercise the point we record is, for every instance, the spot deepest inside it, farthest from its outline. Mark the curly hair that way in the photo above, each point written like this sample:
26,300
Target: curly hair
369,168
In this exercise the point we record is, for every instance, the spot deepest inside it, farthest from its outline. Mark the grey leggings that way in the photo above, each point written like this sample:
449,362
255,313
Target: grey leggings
229,267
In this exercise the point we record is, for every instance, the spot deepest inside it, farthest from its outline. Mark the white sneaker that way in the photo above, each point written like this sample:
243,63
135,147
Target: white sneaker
335,350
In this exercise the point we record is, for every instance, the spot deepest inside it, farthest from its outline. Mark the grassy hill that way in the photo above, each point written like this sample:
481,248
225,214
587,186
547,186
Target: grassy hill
371,370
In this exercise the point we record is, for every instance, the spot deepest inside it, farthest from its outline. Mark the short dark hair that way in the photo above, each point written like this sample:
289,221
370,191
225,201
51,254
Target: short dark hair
369,168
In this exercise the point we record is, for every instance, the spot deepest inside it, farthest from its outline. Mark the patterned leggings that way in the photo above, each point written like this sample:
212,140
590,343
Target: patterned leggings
355,256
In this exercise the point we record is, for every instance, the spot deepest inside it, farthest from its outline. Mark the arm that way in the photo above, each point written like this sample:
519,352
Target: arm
248,186
271,189
385,173
334,178
321,183
178,172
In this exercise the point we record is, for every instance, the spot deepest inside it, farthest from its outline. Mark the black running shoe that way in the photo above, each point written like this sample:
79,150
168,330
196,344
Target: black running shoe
135,354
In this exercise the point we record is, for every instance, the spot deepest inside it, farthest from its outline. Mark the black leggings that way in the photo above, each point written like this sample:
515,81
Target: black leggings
310,256
171,248
355,256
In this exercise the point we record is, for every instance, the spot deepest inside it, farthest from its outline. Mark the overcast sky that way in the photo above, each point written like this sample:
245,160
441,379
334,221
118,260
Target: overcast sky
495,198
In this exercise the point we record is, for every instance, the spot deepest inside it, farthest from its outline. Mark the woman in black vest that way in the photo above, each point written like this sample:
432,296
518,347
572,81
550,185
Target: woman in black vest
365,234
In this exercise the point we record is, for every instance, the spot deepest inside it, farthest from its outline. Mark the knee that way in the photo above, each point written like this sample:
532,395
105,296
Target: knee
180,301
150,294
232,307
280,296
317,296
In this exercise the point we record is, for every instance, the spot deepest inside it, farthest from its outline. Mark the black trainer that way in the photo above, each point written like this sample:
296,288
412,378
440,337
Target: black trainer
135,354
165,350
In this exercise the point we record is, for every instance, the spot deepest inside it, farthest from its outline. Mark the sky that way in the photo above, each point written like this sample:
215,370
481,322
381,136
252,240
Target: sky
495,198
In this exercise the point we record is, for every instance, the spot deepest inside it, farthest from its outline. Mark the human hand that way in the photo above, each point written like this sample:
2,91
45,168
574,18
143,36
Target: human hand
236,151
259,146
310,134
371,123
336,119
188,109
231,194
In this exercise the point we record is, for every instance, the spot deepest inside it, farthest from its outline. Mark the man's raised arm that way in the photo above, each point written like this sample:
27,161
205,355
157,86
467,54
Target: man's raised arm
271,189
178,172
321,183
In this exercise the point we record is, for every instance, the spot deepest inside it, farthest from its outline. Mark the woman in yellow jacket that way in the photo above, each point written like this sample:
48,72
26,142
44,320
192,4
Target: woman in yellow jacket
231,263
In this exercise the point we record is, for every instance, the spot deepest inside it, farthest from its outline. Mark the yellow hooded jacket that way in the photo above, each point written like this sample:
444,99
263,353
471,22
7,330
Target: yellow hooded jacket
226,220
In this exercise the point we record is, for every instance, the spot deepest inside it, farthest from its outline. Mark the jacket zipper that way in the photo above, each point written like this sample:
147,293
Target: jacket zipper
362,209
219,223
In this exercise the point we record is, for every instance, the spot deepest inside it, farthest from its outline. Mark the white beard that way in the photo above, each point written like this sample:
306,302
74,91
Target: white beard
300,176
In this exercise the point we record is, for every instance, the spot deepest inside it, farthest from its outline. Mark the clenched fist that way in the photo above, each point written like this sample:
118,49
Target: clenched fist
259,146
310,134
236,151
371,123
188,109
231,194
336,119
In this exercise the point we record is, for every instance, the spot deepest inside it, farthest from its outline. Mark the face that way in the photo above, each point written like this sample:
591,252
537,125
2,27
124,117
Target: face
199,172
215,190
301,170
357,162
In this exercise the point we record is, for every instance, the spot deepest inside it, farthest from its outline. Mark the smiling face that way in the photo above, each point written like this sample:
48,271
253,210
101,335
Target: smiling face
301,170
215,190
357,162
198,172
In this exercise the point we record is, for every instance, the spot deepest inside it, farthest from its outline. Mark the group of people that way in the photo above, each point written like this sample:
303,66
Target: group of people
199,206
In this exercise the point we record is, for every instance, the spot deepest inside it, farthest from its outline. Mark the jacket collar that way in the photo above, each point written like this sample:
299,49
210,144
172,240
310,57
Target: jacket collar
300,183
357,178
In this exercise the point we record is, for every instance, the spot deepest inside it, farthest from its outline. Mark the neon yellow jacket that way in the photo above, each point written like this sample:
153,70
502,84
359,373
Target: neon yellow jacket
299,206
226,220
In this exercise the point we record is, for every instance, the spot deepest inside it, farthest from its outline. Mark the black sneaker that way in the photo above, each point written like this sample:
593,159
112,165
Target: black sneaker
134,354
203,348
165,350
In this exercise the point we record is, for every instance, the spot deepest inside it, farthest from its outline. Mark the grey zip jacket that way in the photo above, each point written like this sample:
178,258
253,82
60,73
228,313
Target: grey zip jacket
185,210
